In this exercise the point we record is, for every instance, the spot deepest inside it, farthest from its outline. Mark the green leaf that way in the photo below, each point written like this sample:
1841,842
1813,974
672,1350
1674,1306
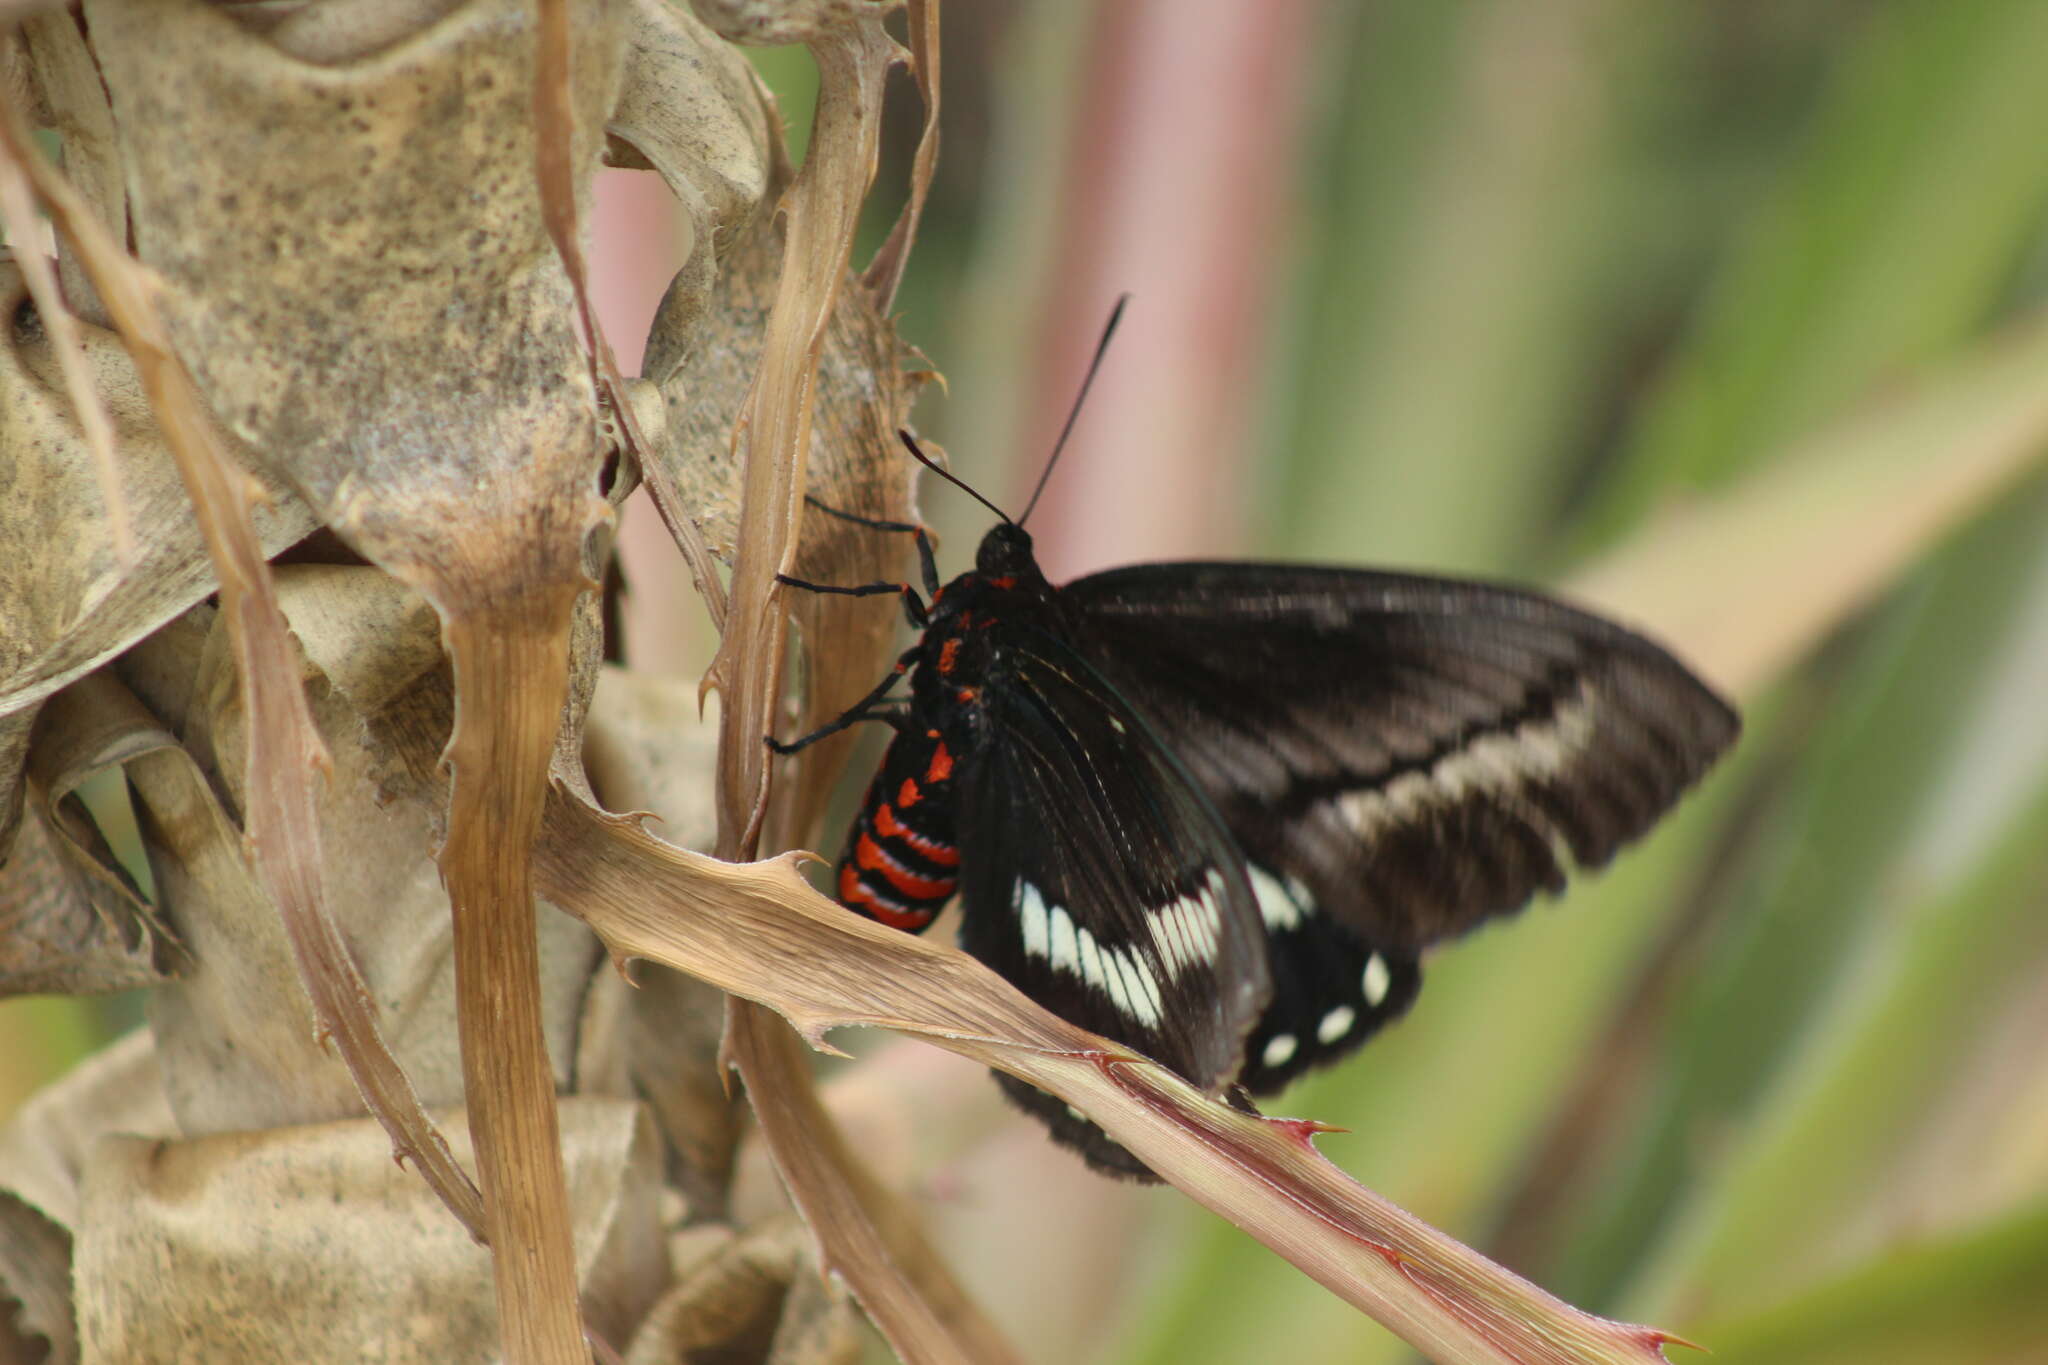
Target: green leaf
1973,1299
1894,237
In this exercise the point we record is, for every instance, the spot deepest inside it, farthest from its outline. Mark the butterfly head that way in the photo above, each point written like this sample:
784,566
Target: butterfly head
1006,553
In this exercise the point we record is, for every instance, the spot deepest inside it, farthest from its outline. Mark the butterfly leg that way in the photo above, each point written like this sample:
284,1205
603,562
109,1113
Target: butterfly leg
913,605
926,561
864,709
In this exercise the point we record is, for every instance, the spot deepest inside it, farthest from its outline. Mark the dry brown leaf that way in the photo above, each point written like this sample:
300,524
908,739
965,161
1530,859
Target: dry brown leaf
778,23
455,446
885,271
333,34
42,1155
865,1233
54,940
43,1145
68,85
18,212
383,715
866,382
727,1300
648,748
71,607
819,215
692,110
819,1324
71,922
35,1273
375,753
280,824
309,1244
15,726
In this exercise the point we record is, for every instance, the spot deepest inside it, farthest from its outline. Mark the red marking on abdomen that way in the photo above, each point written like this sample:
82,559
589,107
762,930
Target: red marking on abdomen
889,827
908,795
941,765
949,654
870,855
855,893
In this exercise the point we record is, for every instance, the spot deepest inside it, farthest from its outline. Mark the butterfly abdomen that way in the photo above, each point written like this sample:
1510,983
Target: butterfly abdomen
902,863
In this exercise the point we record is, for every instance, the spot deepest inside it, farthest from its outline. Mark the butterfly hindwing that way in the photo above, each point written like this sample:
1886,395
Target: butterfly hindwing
1332,989
1097,878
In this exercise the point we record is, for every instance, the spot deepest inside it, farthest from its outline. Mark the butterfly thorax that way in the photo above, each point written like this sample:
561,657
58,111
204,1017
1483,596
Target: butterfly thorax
902,855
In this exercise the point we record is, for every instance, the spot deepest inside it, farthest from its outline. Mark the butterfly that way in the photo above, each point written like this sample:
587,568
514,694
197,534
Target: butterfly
1217,811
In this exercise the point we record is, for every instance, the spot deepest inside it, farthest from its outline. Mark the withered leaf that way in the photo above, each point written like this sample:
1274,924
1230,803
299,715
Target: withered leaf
289,1243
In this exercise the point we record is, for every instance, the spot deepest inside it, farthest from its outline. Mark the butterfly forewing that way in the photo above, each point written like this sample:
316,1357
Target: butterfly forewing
1096,876
1400,758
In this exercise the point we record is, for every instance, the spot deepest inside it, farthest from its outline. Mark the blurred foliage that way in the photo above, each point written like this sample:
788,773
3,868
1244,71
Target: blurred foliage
1773,1081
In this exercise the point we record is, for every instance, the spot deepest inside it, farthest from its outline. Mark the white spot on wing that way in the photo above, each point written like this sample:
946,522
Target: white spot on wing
1050,933
1091,964
1031,913
1186,931
1336,1024
1211,918
1146,1002
1279,1051
1278,906
1066,953
1376,981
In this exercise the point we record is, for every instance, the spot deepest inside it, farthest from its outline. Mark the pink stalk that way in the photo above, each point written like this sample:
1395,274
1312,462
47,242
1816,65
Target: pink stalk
1179,177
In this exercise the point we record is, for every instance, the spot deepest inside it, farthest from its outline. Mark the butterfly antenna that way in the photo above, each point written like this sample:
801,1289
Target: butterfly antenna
910,444
1116,315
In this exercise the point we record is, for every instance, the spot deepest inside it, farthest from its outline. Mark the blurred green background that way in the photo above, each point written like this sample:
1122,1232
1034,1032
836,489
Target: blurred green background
1524,275
1540,271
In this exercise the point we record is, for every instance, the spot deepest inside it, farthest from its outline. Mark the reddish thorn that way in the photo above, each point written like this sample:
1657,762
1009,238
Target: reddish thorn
1304,1129
1657,1339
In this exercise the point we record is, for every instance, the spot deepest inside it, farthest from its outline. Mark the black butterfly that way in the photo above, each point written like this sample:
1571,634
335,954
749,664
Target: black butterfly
1216,811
